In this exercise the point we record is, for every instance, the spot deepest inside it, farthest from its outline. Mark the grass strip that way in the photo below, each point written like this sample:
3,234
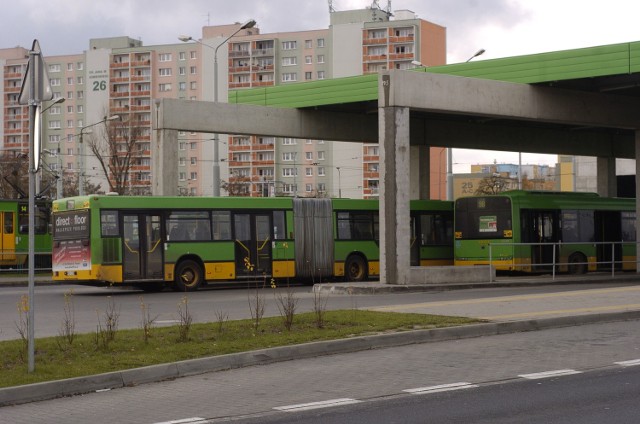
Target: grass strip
56,359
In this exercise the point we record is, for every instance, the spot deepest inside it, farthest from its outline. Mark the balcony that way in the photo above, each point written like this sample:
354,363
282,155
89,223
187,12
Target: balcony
239,53
262,52
375,58
239,85
406,39
140,63
374,41
401,56
243,68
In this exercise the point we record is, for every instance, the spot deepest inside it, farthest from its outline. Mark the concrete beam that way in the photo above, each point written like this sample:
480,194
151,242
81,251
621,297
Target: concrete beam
518,136
606,181
223,118
503,100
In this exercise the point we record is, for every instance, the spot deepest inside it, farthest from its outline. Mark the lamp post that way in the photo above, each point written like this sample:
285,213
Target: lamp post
339,184
476,54
81,176
216,149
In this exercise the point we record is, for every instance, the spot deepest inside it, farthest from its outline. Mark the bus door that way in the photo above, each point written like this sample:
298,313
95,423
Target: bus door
252,244
7,238
142,257
544,229
608,229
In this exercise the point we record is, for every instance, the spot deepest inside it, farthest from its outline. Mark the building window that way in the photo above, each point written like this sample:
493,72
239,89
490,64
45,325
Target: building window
308,59
54,68
288,141
308,44
321,171
69,81
289,45
288,156
80,80
182,176
194,176
289,77
193,85
69,123
182,161
69,66
54,125
308,172
308,188
320,42
69,95
321,155
194,161
164,57
57,109
320,75
308,155
322,187
80,94
164,87
182,70
182,145
182,86
54,139
193,145
289,172
193,70
182,56
80,66
165,72
80,108
308,75
193,55
289,61
320,58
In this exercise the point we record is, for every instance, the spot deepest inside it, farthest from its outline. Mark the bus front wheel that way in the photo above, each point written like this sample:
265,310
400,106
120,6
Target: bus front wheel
355,269
577,263
188,276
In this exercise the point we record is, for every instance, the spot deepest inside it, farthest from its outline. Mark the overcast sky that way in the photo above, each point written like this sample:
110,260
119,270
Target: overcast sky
502,27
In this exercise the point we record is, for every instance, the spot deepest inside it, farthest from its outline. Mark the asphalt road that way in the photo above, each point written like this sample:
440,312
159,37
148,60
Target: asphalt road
594,359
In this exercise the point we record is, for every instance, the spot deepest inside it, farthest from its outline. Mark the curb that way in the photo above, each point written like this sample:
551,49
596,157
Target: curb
155,373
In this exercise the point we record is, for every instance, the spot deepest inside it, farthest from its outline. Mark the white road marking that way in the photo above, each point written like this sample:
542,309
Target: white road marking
441,388
549,374
316,405
628,363
184,421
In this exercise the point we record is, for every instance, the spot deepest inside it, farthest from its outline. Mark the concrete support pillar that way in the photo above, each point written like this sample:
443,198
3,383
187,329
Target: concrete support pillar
637,140
424,172
164,153
606,177
394,195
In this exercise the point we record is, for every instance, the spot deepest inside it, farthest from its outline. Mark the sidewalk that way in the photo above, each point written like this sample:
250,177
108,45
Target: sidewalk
506,314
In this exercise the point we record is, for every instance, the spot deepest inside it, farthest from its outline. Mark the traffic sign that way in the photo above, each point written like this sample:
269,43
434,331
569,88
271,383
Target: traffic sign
37,75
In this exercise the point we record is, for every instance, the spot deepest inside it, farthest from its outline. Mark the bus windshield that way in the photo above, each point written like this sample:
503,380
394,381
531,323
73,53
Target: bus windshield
483,218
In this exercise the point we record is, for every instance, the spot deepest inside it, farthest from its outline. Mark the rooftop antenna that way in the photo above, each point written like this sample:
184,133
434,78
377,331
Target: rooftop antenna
208,15
331,8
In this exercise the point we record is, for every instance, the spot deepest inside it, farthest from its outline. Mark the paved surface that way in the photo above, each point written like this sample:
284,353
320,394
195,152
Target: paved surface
508,314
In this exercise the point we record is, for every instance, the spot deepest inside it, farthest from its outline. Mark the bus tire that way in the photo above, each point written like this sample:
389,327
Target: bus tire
355,268
188,276
577,263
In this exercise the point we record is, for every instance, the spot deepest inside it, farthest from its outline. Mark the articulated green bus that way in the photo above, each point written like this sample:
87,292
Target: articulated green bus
530,231
14,234
186,242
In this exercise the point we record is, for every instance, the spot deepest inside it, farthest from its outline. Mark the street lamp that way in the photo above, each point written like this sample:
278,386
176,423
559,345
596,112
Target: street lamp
81,177
339,184
216,150
57,101
476,54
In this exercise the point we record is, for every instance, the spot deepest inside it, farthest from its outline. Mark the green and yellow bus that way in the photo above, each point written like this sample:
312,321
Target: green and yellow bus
529,231
185,242
14,234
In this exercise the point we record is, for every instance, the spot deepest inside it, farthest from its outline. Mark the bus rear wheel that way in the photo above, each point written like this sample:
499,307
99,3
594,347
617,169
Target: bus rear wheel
188,276
577,263
355,269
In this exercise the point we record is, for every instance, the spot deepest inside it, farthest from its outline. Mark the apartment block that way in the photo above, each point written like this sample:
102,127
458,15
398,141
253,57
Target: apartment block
121,78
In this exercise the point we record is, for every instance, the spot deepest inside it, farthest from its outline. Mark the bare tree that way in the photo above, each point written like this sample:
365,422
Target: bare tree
239,186
492,185
117,151
14,175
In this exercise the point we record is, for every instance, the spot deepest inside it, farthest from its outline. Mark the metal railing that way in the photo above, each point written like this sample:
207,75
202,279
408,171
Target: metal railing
557,246
12,261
